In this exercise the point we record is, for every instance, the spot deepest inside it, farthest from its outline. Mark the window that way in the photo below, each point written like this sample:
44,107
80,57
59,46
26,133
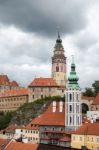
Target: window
33,96
61,68
70,120
41,96
80,138
41,89
97,139
70,108
92,139
70,97
57,68
73,137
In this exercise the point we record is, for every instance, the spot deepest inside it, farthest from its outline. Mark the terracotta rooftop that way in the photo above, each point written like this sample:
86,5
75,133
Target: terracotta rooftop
14,83
11,128
89,129
21,146
49,82
3,142
87,98
17,92
96,100
4,80
51,118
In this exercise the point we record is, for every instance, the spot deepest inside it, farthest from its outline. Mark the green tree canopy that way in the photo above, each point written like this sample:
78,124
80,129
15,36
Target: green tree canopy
92,91
88,92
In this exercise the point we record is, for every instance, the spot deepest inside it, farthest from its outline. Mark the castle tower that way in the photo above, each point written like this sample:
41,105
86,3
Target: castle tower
59,63
73,112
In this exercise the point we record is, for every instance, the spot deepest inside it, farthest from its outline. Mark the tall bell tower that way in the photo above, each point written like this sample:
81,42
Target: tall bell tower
59,63
73,111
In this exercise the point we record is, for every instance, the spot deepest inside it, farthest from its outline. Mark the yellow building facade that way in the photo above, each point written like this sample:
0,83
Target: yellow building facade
87,135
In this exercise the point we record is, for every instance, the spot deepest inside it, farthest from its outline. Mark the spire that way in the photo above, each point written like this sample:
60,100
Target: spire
58,39
73,78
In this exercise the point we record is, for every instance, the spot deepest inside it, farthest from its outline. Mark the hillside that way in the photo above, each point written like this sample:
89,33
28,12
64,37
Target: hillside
27,112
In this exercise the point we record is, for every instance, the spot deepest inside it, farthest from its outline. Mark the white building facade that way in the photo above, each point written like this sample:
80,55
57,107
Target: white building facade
73,111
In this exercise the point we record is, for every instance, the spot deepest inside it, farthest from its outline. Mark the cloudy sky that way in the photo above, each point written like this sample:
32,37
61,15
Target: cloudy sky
28,31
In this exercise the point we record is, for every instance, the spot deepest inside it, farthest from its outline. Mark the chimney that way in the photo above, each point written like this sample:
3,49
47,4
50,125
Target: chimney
60,106
54,106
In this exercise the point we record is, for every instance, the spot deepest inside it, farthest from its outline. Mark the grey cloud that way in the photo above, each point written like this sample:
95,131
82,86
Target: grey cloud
43,16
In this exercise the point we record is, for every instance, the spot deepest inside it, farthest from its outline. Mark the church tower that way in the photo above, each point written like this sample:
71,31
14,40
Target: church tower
59,63
73,111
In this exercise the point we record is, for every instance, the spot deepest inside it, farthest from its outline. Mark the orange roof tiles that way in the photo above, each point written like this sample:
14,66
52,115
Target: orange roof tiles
4,80
43,82
11,128
89,129
3,142
51,118
87,98
14,83
96,100
17,92
21,146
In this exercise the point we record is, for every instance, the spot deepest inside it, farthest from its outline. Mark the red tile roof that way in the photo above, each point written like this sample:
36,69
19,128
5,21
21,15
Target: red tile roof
49,82
87,98
21,146
89,129
51,118
17,92
3,142
11,128
14,83
96,100
4,80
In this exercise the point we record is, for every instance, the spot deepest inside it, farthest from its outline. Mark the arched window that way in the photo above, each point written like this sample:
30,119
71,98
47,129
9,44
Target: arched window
70,119
70,97
57,68
70,108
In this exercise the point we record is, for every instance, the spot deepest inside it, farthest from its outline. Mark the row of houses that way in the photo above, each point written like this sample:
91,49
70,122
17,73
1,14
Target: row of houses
50,128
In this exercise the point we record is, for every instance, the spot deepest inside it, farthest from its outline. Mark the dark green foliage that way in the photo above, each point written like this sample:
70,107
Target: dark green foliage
92,91
31,110
95,86
89,92
5,119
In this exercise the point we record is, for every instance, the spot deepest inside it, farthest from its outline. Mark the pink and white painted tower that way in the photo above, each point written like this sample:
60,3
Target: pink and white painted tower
59,63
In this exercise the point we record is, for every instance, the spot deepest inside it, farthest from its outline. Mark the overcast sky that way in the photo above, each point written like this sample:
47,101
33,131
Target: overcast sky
28,32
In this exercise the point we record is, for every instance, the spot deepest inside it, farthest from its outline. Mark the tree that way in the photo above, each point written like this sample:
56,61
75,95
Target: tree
88,92
95,86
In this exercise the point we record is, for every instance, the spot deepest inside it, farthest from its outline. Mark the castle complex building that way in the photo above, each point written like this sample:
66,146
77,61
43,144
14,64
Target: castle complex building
59,63
6,84
73,101
55,85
